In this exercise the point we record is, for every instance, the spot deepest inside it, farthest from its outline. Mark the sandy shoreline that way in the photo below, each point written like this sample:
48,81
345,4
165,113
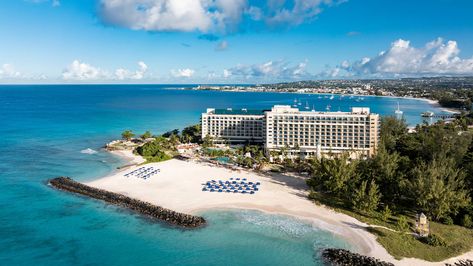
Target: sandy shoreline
128,155
178,186
434,103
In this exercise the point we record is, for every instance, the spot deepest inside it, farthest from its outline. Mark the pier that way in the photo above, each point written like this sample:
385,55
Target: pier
442,116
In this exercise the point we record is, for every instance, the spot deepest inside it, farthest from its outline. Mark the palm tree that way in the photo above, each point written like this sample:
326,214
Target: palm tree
127,135
146,135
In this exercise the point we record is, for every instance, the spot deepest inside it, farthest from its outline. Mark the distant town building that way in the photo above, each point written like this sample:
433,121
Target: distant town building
285,129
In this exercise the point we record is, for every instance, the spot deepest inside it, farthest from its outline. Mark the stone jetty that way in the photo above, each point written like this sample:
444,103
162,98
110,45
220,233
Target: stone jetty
461,263
147,209
342,257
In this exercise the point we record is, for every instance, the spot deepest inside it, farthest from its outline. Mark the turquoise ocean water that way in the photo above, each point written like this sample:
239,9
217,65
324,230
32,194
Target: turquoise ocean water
45,132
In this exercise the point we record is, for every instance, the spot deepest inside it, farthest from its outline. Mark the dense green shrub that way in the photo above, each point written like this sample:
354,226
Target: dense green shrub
466,221
447,220
433,240
150,149
402,224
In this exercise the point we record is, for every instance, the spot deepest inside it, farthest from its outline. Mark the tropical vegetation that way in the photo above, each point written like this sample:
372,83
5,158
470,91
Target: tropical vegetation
429,170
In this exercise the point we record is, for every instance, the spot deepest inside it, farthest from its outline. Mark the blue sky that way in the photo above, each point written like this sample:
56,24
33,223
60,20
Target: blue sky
231,41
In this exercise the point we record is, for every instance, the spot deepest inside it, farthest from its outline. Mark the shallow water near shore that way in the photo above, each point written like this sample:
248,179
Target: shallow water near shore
49,131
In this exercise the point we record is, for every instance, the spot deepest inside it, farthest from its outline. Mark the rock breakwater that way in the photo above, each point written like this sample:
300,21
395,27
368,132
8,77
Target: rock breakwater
342,257
145,208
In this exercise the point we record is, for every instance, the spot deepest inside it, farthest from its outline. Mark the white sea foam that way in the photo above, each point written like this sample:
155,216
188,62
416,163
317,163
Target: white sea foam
290,226
88,151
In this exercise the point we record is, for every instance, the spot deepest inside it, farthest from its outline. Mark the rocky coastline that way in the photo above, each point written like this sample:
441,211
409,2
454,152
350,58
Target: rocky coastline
169,216
342,257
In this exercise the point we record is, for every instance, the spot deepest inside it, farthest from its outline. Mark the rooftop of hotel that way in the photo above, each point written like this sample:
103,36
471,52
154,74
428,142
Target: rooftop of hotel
230,111
285,109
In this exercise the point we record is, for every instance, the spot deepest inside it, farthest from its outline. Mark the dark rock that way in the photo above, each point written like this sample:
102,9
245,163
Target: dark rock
342,257
145,208
461,263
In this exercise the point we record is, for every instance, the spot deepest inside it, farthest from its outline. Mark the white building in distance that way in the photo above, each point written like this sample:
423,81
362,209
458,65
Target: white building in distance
288,130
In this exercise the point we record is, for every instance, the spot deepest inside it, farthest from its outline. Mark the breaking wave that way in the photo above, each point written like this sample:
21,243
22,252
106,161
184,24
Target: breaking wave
88,151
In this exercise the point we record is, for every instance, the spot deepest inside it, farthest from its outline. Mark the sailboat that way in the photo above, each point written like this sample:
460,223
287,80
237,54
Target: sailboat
307,105
295,103
398,111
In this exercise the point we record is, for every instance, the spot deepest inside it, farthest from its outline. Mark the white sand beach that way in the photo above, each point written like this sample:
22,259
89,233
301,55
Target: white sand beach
178,186
128,155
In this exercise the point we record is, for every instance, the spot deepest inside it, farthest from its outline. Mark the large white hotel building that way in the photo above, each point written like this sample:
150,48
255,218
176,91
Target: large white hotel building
297,133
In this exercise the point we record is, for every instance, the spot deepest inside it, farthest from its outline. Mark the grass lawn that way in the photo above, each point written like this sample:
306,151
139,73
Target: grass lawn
458,239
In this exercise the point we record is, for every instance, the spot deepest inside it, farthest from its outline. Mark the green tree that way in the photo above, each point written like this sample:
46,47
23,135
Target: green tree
191,134
438,188
402,224
466,221
207,141
174,139
127,135
392,129
170,133
146,135
366,198
334,175
388,170
386,213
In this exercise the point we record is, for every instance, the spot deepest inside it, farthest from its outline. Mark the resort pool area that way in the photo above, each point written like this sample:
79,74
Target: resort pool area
222,159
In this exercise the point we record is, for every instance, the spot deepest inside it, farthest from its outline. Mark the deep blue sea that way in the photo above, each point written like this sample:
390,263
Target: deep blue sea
44,131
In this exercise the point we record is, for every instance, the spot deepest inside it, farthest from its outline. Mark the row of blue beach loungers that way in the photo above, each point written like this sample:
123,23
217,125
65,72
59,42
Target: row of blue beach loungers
234,185
143,172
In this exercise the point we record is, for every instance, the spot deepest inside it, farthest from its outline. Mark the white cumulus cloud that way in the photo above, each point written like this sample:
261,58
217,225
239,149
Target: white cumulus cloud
207,15
82,71
434,58
227,73
7,71
183,73
272,69
122,73
158,15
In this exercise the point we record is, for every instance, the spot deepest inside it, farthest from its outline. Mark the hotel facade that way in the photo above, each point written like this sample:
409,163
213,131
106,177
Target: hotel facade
305,134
